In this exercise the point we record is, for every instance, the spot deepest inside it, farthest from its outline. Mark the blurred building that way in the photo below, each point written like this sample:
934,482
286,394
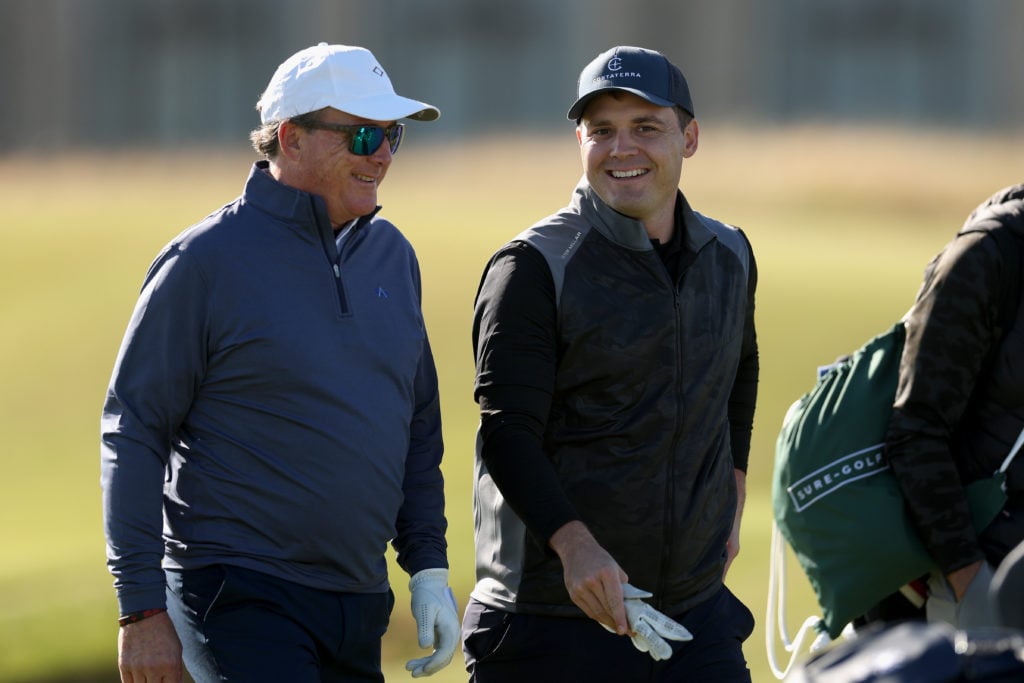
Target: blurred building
100,73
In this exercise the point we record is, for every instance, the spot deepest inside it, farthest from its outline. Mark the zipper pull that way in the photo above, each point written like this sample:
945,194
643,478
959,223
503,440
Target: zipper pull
337,271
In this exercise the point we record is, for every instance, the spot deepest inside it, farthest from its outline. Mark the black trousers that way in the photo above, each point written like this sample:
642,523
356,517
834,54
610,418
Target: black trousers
236,624
502,647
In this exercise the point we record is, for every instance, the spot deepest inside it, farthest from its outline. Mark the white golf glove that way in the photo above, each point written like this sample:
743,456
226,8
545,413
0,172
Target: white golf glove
437,620
649,628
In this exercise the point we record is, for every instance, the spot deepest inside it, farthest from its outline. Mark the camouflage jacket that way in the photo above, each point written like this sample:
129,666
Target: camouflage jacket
960,401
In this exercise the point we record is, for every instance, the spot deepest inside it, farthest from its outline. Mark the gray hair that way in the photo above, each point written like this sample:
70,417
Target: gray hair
264,138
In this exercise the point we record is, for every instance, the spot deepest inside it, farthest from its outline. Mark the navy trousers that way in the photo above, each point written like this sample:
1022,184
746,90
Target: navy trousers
236,624
502,647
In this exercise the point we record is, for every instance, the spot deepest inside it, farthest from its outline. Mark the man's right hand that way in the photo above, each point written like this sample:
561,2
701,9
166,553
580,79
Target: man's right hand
650,629
961,579
593,578
149,651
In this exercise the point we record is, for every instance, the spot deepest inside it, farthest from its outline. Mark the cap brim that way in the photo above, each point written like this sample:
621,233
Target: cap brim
576,110
389,108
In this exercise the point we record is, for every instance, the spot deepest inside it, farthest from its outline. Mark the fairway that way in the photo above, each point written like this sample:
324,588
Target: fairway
842,223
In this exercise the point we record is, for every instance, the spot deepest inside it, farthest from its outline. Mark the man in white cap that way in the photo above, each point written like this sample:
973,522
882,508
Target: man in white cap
617,373
272,421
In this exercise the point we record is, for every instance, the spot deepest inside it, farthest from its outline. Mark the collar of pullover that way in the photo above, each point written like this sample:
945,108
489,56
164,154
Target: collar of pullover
297,208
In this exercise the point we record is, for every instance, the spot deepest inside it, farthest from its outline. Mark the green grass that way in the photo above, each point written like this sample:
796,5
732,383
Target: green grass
842,222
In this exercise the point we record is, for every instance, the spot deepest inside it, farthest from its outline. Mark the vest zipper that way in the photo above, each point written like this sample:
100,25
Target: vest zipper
670,489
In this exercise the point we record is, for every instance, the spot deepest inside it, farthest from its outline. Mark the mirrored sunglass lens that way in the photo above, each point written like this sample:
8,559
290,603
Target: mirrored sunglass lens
395,136
366,140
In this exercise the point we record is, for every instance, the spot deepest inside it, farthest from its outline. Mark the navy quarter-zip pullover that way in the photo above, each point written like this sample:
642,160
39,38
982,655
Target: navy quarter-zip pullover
283,396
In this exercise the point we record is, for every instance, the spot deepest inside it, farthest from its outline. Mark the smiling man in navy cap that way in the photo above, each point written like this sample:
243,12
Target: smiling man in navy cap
617,374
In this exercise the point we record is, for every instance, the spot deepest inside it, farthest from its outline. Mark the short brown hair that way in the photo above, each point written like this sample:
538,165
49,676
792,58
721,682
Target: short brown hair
684,117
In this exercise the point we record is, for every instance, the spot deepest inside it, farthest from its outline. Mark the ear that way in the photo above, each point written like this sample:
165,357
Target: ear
690,138
290,139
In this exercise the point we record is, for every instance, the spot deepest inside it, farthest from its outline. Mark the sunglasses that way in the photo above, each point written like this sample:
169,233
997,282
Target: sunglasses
363,140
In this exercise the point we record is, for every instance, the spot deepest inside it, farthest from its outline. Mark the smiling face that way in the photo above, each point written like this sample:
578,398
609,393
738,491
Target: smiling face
632,153
319,162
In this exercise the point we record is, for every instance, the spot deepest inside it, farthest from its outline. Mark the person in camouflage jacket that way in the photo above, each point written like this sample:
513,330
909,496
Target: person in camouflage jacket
959,405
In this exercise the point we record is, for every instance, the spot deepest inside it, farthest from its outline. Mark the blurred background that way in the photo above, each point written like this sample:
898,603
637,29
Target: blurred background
171,72
849,138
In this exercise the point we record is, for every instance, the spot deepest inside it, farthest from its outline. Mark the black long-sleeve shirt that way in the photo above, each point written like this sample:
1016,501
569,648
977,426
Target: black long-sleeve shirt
513,415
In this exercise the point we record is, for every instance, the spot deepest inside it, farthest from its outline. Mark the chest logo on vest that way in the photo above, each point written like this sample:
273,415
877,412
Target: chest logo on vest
572,245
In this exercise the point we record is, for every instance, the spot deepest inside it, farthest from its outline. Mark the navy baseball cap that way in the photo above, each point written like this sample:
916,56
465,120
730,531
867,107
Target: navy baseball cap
636,70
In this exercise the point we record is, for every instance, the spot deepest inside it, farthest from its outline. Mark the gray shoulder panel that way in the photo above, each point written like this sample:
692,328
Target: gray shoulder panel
730,236
557,238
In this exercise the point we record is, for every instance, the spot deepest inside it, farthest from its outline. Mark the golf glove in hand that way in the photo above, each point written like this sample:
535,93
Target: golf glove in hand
437,620
649,628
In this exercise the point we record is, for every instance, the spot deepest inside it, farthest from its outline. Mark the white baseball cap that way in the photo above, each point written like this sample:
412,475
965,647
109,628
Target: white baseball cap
341,76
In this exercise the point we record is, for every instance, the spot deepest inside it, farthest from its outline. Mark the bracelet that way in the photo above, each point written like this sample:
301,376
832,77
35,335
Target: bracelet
139,616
